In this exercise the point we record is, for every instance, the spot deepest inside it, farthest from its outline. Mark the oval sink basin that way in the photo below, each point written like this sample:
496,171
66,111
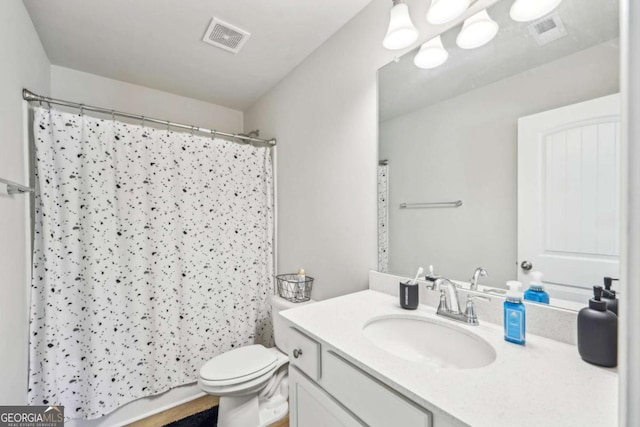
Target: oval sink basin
429,341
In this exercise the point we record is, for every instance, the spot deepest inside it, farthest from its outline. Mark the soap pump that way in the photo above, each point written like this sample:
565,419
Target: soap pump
536,292
609,295
598,332
514,314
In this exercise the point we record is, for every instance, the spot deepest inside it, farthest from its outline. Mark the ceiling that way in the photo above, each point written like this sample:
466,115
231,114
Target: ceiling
404,88
158,43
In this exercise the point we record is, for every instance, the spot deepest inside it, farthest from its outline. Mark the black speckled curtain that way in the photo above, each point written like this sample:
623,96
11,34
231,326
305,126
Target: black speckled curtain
152,254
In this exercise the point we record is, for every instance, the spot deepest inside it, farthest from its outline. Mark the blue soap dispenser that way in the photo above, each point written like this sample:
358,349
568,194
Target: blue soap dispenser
514,314
536,292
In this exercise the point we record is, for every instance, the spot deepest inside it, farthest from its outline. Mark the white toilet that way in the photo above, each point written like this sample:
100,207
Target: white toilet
251,381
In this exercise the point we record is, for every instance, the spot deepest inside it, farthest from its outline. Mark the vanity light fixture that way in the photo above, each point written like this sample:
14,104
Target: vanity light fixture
431,55
530,10
443,11
477,31
401,33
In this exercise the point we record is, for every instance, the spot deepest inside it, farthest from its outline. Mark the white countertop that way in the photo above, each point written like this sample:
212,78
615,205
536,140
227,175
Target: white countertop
544,383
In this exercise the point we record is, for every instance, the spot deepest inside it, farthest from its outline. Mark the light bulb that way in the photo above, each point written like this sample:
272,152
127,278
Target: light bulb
401,32
477,31
443,11
431,54
530,10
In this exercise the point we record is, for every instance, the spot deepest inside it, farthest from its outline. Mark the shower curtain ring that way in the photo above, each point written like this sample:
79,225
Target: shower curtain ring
168,126
113,115
213,134
82,109
142,121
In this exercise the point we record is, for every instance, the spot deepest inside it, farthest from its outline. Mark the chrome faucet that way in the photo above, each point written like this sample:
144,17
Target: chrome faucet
448,296
480,272
450,305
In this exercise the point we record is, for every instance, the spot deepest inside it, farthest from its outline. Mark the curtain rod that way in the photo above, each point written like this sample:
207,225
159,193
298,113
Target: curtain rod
29,96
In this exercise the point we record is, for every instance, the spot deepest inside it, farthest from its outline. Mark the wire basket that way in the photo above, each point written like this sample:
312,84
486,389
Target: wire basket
293,289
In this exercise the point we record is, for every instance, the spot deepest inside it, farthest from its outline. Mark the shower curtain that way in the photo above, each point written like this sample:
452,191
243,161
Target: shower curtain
152,254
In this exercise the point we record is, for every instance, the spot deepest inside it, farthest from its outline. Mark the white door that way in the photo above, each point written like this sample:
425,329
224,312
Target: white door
569,194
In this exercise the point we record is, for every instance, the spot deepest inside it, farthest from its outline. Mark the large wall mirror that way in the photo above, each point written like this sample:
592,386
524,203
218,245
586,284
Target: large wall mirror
506,156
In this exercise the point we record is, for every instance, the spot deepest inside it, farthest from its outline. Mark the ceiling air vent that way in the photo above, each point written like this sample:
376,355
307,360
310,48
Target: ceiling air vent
225,36
547,29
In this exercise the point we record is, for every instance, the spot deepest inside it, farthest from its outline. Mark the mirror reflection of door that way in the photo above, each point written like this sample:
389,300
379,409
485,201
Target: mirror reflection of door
569,195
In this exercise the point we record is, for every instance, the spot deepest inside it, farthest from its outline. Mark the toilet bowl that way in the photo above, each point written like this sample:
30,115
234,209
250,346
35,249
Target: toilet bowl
251,381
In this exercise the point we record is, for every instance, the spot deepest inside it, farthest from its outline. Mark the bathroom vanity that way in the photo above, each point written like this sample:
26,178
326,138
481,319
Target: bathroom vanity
360,359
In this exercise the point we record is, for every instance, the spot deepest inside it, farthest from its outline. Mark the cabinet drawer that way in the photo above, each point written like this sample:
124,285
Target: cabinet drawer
370,400
304,353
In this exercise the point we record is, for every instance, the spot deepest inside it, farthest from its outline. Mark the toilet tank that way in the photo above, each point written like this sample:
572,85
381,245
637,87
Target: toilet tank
280,334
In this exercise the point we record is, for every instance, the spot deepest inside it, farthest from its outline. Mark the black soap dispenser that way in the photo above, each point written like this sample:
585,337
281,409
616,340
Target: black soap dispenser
609,295
598,332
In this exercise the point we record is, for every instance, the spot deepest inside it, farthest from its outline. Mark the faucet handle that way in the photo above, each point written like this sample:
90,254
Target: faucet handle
443,302
470,310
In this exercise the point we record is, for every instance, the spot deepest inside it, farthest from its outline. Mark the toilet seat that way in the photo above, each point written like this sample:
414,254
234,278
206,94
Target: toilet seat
239,388
224,375
240,380
238,366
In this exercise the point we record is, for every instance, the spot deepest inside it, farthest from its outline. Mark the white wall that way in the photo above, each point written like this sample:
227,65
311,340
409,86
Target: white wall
90,89
324,115
466,148
24,64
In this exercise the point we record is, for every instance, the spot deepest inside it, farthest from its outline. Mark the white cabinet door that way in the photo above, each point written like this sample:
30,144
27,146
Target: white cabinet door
312,407
569,193
370,400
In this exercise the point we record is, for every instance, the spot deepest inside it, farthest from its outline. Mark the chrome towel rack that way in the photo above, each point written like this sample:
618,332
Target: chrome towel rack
15,188
426,205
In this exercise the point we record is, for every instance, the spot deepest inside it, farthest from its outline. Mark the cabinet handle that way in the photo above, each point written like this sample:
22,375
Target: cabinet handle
297,353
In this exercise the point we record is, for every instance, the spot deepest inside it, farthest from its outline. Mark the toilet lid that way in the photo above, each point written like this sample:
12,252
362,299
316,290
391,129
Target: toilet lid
238,363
